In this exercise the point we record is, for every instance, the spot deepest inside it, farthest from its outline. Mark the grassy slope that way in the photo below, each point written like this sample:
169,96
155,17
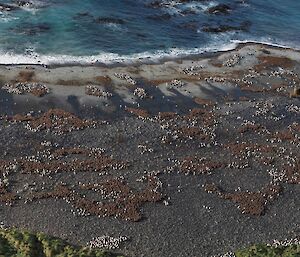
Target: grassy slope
14,243
262,250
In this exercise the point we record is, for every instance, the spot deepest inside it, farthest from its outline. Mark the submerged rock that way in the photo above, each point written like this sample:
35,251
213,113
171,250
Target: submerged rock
165,16
220,29
7,7
189,25
219,9
188,12
160,4
226,28
106,20
155,4
83,16
32,29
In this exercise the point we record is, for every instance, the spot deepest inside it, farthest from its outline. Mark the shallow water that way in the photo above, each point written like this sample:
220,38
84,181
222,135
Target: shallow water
118,30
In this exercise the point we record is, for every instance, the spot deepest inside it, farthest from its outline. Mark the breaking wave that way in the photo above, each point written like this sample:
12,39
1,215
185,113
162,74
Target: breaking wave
104,58
33,58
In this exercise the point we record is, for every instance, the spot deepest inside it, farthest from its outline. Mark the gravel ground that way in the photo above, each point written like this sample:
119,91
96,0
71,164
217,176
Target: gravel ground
242,138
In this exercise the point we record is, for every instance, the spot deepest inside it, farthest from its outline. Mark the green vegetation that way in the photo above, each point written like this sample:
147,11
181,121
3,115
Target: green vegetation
262,250
15,243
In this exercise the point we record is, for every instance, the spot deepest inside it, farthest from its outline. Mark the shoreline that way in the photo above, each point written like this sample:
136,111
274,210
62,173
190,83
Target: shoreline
195,72
137,61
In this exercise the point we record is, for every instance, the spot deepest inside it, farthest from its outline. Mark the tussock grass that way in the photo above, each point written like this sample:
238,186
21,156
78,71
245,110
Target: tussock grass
262,250
15,243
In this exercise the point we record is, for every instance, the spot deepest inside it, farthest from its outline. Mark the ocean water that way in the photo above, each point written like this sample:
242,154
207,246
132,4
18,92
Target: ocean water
108,31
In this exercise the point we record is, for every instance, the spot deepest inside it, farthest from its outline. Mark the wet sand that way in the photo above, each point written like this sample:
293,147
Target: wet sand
186,157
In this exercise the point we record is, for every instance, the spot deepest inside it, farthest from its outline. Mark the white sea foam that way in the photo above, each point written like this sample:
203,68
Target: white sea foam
175,7
116,27
108,58
33,6
267,41
203,6
112,58
7,19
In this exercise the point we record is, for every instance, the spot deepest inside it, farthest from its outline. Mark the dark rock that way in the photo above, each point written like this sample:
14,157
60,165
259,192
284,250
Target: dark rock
245,26
219,9
188,12
159,4
30,4
155,4
83,16
22,3
189,1
107,20
226,28
219,29
32,29
140,35
190,26
7,7
165,16
265,51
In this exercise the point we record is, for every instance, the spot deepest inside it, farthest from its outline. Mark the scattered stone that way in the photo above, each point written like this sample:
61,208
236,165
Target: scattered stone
233,61
55,120
35,89
253,203
96,91
107,242
140,93
138,112
121,201
176,83
126,77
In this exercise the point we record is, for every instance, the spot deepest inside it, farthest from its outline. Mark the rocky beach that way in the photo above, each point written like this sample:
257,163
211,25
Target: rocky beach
194,156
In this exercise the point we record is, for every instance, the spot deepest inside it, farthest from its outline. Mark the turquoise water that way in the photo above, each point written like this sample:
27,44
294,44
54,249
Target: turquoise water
120,30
